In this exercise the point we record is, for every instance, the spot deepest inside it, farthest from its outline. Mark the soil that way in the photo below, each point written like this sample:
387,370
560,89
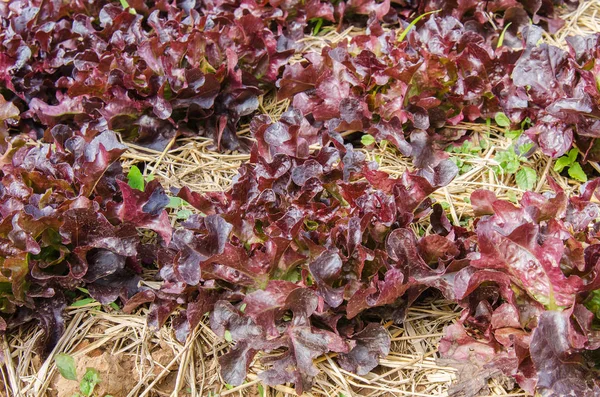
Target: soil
115,376
118,373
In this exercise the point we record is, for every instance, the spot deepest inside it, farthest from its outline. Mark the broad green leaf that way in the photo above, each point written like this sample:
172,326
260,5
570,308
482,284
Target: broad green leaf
465,168
176,202
573,154
503,156
512,166
459,163
261,390
227,336
561,163
413,23
89,381
66,366
577,173
501,38
228,386
526,178
525,148
513,134
184,214
114,306
135,178
367,140
502,120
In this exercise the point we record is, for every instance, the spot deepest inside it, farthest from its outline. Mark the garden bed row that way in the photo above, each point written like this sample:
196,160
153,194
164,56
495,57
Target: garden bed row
312,246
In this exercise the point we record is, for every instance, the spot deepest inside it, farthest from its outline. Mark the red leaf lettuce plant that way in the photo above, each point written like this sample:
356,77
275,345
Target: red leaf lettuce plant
307,252
68,221
304,248
415,92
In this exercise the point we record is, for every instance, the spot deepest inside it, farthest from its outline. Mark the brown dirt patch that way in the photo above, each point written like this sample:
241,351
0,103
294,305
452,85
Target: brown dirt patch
115,376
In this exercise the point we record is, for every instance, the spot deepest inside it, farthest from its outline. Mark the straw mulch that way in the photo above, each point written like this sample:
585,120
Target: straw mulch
135,361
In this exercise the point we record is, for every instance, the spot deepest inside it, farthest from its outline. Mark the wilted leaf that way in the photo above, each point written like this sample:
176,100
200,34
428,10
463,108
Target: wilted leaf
66,366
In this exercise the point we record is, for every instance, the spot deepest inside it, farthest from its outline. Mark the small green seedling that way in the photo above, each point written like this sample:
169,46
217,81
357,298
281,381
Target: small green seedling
466,150
184,214
135,179
526,178
502,120
89,381
177,203
367,140
574,169
66,366
510,163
